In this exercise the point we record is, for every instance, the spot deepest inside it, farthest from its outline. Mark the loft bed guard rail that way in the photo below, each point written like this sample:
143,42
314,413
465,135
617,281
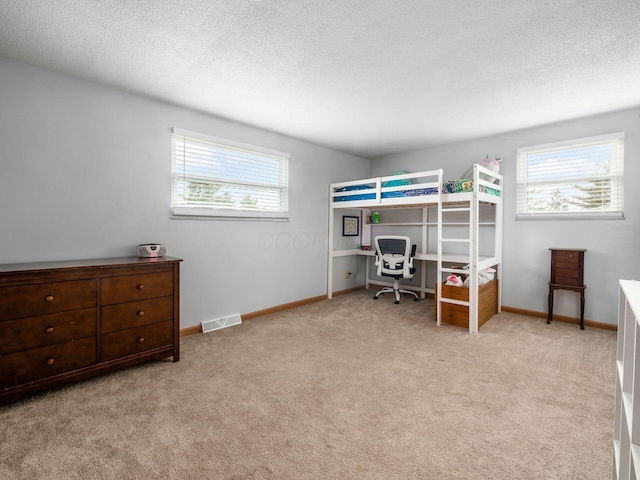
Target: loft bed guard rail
394,189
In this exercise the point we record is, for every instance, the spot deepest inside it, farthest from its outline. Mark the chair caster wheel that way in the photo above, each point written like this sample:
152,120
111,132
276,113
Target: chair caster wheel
375,298
396,302
415,299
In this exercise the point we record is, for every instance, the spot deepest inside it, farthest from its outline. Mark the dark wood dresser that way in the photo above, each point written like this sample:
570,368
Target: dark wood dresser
567,273
62,322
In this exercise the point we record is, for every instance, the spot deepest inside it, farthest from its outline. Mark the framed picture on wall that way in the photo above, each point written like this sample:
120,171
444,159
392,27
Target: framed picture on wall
350,226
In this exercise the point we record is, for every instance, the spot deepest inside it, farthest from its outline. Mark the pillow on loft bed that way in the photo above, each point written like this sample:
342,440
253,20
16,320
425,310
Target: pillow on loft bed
396,183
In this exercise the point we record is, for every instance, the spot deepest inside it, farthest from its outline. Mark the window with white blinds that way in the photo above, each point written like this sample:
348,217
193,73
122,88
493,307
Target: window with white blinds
575,179
213,177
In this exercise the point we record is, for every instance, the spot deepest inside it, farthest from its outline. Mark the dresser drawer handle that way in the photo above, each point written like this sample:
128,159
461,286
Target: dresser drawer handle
140,286
49,298
49,329
140,313
50,361
140,340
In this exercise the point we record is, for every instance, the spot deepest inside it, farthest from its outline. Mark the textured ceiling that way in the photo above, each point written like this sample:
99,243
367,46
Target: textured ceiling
368,77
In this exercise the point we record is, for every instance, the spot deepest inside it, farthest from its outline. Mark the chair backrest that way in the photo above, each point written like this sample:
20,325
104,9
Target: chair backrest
394,256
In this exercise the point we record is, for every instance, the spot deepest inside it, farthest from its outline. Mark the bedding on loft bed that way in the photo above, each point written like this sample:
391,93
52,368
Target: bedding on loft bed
363,195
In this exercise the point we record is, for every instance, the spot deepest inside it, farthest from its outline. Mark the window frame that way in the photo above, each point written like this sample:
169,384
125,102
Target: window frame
180,207
616,176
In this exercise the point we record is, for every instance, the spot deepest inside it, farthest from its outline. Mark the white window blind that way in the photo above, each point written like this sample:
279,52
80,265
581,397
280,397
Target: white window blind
575,179
214,177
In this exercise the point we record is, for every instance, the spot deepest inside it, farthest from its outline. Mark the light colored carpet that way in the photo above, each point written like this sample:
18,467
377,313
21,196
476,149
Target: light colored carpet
349,388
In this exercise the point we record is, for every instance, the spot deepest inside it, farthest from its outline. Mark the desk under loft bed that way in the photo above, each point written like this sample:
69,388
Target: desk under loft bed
452,220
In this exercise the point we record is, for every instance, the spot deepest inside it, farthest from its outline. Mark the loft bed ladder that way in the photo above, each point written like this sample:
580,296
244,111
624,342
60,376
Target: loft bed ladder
471,207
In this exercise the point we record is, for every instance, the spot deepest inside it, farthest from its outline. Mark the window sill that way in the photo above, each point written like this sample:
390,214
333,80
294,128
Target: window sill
571,216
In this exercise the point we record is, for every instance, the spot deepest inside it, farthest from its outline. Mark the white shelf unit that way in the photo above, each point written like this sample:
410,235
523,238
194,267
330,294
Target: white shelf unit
626,430
438,214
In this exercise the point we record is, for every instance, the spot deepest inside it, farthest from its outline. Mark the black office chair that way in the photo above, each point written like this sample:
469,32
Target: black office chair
394,258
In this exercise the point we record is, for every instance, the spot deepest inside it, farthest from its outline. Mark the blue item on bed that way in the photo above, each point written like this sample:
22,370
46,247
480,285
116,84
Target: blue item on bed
371,196
356,196
395,183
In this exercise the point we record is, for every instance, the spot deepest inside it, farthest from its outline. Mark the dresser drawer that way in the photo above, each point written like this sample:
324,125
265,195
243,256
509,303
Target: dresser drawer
32,332
569,278
569,256
44,298
567,267
22,367
135,287
136,340
134,314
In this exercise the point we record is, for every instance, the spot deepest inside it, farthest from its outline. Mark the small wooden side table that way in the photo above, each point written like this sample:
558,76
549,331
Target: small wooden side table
567,273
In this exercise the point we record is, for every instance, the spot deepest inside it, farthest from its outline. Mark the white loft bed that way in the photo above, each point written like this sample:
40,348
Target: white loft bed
425,190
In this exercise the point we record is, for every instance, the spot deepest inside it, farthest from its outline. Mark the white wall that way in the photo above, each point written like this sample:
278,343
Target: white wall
613,246
85,173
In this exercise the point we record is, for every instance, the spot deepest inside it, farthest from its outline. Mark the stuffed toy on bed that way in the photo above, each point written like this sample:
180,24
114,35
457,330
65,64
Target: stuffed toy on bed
492,164
454,281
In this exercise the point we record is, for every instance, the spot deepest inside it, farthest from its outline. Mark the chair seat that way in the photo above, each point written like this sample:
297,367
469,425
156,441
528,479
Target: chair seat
398,275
